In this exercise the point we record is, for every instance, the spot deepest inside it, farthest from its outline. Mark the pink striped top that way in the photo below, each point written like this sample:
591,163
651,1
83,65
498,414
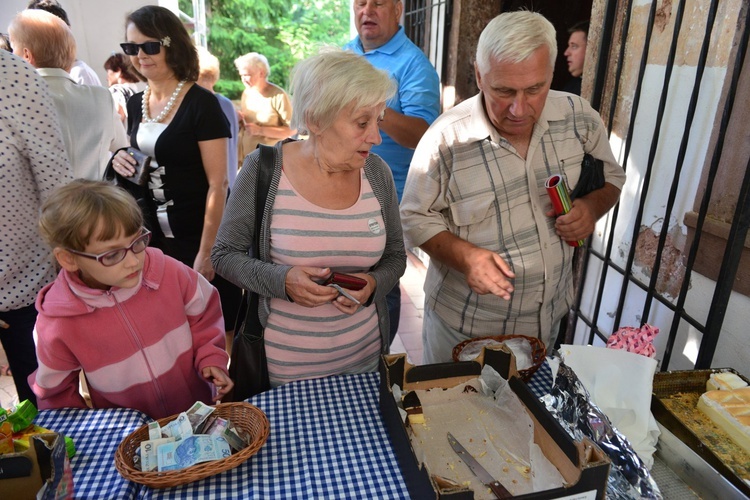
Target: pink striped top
304,342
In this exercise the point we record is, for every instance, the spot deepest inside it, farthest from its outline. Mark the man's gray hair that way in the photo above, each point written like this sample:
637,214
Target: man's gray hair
324,84
253,60
513,37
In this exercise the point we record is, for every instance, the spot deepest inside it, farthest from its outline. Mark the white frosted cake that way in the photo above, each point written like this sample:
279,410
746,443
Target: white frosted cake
723,381
730,410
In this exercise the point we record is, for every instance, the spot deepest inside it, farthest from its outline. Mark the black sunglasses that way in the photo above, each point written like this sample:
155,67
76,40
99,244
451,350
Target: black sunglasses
150,48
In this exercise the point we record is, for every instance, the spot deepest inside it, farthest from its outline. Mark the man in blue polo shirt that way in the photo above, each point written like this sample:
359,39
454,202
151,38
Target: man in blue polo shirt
414,107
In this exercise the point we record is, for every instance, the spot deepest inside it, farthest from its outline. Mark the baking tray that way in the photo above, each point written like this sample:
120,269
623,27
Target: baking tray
673,403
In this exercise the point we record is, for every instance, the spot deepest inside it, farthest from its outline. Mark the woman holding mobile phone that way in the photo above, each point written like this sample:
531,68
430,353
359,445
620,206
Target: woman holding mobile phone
331,207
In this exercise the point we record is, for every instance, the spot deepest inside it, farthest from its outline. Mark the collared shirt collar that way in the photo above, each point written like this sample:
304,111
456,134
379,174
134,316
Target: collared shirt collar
480,126
61,73
389,47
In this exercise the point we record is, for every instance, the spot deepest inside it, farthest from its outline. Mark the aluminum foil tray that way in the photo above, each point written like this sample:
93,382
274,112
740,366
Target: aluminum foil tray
673,403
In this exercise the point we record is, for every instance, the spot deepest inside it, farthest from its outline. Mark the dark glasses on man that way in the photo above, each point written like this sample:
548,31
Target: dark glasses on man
112,257
150,48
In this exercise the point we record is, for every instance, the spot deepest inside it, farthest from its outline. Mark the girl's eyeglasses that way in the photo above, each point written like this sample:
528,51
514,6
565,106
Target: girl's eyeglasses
112,257
150,48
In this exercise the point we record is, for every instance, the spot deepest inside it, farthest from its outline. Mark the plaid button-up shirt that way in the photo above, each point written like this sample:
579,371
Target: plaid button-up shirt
465,178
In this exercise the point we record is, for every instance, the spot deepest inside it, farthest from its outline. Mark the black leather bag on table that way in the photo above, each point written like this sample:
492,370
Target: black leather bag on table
248,367
592,169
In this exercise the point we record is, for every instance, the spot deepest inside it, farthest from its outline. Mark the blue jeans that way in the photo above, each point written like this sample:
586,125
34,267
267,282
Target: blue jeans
18,343
393,299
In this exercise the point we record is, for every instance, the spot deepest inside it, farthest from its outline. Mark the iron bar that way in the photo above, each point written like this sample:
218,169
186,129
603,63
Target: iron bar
700,69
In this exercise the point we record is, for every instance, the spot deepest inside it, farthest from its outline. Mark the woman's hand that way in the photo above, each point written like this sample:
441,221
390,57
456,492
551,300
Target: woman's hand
301,286
124,164
348,306
203,265
221,380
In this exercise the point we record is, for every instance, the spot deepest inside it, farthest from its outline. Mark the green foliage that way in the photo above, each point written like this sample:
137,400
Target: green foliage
231,89
285,31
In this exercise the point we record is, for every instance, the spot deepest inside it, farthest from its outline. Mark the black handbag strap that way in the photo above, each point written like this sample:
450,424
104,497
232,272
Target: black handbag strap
265,172
575,127
248,320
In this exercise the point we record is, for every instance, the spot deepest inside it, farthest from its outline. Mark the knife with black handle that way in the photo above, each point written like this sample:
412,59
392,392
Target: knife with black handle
498,489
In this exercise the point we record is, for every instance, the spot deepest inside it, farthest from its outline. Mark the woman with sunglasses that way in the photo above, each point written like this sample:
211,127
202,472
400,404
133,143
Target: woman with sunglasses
145,329
182,127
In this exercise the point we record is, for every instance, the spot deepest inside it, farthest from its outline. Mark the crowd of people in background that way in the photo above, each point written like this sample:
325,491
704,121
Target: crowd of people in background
360,151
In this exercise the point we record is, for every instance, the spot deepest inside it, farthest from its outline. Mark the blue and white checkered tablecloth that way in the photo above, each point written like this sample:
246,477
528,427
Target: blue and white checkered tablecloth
541,381
96,434
327,441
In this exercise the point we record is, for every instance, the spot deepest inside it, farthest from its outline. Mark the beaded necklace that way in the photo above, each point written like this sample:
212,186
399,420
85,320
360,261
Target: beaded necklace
164,112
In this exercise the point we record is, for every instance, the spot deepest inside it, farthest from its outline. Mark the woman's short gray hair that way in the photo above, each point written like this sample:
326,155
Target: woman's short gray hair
513,37
253,60
324,84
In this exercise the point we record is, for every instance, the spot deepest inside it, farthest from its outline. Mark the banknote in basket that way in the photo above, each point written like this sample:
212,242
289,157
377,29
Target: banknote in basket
154,430
190,451
149,453
178,428
197,414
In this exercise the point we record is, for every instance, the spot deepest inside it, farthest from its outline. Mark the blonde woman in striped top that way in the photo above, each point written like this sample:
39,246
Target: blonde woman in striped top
331,206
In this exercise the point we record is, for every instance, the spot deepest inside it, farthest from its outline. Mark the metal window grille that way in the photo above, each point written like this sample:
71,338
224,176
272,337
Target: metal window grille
427,23
593,324
197,21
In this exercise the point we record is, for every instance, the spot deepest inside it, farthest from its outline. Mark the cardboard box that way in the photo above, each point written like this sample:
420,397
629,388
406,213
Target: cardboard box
583,465
43,465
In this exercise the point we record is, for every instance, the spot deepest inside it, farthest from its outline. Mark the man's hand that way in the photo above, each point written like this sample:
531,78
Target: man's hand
254,129
580,222
485,271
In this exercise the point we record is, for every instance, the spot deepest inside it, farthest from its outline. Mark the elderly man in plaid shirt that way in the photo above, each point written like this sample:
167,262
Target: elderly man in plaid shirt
475,199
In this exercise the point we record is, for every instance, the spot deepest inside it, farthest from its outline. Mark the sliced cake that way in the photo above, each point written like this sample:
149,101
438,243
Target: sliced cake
730,410
723,381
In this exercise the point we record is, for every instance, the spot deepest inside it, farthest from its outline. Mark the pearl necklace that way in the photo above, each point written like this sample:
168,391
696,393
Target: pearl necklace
164,112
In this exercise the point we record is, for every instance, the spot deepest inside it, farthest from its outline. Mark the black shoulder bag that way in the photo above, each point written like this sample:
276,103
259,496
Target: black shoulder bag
248,367
592,169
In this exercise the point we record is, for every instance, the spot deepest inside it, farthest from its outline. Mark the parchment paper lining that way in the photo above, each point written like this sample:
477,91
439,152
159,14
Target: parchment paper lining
492,424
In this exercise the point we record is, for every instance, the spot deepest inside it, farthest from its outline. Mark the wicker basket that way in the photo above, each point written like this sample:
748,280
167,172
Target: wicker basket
243,415
538,351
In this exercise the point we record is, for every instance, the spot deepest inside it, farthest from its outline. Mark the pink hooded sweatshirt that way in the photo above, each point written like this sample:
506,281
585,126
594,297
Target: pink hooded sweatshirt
142,347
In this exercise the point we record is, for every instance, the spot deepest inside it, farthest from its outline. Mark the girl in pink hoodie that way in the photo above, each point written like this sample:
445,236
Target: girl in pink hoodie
146,330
